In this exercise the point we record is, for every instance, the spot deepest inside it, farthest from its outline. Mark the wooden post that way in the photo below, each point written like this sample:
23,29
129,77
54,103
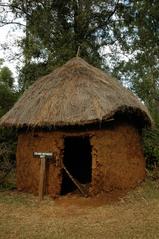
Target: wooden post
42,177
74,181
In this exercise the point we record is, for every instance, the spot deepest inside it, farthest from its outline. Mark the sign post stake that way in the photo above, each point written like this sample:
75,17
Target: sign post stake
42,177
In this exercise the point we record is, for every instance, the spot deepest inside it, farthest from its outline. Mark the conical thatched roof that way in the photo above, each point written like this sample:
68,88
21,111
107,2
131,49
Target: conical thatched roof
76,93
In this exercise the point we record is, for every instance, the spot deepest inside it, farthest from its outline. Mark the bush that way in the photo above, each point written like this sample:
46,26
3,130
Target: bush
151,147
7,152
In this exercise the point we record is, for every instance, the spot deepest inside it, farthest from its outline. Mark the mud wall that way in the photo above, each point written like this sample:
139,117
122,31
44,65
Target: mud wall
28,167
117,159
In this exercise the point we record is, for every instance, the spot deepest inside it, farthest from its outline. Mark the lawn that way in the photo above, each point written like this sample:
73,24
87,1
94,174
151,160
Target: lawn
133,215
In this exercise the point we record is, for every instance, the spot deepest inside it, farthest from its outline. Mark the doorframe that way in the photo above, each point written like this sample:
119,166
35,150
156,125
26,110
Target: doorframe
77,135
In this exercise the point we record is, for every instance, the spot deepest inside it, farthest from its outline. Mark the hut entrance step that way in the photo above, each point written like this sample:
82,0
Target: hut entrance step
77,162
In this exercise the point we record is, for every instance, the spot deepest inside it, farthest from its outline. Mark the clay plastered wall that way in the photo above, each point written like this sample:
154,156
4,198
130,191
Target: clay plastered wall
118,161
28,167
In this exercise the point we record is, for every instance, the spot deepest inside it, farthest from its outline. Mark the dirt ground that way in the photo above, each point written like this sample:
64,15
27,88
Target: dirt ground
114,215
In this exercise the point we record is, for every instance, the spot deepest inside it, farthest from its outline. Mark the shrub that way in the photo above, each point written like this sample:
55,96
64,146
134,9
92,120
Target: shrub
151,147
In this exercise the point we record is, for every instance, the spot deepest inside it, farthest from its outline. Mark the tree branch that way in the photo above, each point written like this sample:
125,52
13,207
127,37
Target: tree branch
4,5
7,23
112,13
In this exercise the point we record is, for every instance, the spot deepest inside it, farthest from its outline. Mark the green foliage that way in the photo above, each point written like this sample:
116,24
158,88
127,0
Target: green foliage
8,141
7,136
56,29
140,71
30,72
151,147
141,41
7,94
6,77
7,99
7,150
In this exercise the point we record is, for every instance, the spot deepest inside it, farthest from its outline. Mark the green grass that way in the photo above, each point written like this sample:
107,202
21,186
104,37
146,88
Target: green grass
136,215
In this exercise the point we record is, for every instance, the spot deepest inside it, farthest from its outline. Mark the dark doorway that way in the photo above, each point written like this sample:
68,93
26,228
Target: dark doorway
78,161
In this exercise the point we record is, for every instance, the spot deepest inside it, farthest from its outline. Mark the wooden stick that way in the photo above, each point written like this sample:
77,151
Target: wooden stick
42,178
78,52
74,181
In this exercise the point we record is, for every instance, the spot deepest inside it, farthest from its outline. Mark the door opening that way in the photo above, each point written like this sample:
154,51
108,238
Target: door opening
78,161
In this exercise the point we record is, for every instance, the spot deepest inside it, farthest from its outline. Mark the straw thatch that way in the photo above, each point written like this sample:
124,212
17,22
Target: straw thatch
76,93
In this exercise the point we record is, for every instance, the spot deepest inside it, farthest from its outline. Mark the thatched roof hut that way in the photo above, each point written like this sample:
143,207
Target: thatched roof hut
88,122
76,93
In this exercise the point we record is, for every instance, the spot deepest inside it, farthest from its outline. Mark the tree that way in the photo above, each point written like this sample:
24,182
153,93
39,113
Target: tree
7,136
141,41
56,29
7,94
6,77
